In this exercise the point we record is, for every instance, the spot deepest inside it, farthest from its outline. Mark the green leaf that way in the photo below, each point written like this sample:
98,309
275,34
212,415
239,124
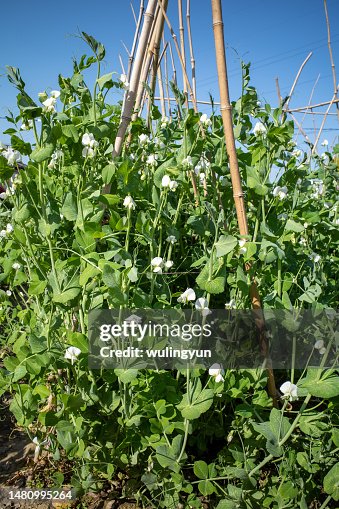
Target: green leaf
200,469
293,226
324,388
105,80
331,482
201,401
126,375
108,172
253,182
225,245
109,199
70,131
41,154
133,274
70,209
67,295
88,273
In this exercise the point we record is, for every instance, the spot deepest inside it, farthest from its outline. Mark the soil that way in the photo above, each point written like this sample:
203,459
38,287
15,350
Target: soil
18,471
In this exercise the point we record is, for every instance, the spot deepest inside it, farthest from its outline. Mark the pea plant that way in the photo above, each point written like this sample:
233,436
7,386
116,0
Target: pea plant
165,236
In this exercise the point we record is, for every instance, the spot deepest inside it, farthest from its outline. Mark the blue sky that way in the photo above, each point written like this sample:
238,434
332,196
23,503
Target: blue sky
275,36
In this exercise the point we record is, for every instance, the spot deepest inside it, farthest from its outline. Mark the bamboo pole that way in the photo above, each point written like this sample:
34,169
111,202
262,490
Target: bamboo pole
147,63
135,77
318,105
166,79
190,41
159,29
135,40
182,44
183,67
295,83
226,111
334,76
322,125
173,65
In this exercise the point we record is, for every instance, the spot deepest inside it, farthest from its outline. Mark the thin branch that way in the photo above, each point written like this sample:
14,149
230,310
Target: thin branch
134,16
331,55
278,90
173,64
122,64
296,80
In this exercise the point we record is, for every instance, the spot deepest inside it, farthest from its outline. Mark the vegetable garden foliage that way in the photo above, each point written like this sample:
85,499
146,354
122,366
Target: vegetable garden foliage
66,249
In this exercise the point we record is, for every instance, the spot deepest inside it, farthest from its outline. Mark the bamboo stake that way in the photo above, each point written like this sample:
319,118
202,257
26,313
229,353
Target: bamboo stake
161,91
331,55
173,66
156,48
183,67
296,81
226,111
322,124
182,44
135,77
190,41
309,102
147,64
135,40
278,90
166,79
325,103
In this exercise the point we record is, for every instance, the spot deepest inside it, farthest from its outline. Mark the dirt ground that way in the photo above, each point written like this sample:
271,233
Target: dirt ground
17,469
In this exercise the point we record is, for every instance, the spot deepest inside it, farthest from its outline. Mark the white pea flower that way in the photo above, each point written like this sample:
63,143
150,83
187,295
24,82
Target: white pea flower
157,264
16,266
259,129
38,448
231,304
324,157
318,188
143,139
306,225
12,156
165,182
26,126
57,154
8,293
152,160
336,222
159,143
88,152
318,345
303,241
164,122
187,162
188,295
169,264
205,120
173,185
3,196
9,228
280,192
242,243
289,390
72,353
3,233
55,94
324,143
88,140
202,178
296,153
315,257
129,202
171,239
49,105
216,371
124,81
201,304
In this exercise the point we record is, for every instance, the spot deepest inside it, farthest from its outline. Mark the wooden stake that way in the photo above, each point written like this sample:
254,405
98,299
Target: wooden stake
226,111
135,40
182,44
